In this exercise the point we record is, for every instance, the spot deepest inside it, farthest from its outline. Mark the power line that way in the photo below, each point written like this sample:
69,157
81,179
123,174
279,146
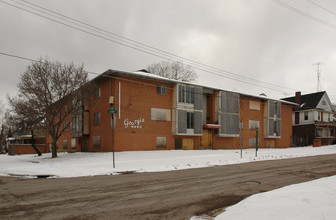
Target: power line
304,14
326,9
152,51
109,76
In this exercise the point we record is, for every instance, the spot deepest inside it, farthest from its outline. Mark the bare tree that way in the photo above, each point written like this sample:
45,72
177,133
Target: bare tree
50,94
173,70
3,126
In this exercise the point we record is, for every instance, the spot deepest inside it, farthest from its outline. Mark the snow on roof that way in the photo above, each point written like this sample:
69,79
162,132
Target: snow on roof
147,75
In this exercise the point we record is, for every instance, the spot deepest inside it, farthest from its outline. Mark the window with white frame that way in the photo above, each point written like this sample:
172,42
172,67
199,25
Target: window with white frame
305,116
186,94
273,120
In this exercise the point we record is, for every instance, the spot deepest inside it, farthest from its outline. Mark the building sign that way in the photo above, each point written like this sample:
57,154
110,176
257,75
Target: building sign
134,124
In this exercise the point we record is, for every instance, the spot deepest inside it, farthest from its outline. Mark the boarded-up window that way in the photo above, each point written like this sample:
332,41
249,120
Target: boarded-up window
161,142
96,118
252,142
229,114
198,122
65,144
160,114
96,141
73,143
253,124
86,129
254,105
182,121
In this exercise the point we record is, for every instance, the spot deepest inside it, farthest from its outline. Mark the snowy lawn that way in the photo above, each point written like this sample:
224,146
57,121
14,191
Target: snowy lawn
304,201
90,164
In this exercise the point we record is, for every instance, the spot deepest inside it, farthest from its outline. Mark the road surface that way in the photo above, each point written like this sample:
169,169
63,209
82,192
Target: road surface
162,195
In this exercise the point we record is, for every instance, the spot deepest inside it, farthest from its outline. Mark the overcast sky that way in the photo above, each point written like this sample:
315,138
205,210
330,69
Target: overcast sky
256,39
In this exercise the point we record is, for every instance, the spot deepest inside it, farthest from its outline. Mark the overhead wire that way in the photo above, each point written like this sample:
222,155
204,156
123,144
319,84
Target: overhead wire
324,8
143,47
123,79
281,3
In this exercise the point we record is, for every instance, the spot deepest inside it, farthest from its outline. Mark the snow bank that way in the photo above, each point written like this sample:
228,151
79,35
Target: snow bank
305,201
89,164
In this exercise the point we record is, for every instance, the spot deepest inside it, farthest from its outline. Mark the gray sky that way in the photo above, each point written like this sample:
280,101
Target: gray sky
256,39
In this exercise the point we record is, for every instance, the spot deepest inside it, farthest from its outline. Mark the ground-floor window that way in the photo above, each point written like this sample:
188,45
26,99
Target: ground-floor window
96,141
65,144
161,142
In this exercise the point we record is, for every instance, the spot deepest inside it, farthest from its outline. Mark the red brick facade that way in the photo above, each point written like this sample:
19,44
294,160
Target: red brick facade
148,116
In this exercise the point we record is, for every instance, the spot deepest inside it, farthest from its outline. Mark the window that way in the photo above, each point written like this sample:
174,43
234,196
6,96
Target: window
97,92
65,144
305,116
253,124
181,93
161,89
190,120
96,141
319,116
76,124
161,142
96,118
186,94
189,94
273,120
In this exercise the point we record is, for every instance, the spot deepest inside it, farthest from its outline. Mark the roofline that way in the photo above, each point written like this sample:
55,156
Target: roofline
142,75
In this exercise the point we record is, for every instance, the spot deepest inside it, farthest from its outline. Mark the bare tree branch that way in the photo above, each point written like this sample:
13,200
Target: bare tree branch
173,70
50,93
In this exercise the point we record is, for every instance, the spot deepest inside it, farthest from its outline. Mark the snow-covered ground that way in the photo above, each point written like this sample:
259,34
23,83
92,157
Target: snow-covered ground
312,200
305,201
90,164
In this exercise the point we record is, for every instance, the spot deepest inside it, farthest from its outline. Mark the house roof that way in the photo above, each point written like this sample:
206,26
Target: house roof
308,101
146,75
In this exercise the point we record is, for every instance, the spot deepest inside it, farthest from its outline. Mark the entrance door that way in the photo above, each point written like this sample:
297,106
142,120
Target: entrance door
206,140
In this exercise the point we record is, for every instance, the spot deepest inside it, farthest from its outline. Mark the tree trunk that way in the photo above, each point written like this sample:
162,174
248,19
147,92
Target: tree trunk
54,150
33,142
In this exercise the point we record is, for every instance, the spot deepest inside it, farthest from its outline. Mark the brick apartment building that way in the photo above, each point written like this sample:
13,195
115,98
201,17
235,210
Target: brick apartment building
153,113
